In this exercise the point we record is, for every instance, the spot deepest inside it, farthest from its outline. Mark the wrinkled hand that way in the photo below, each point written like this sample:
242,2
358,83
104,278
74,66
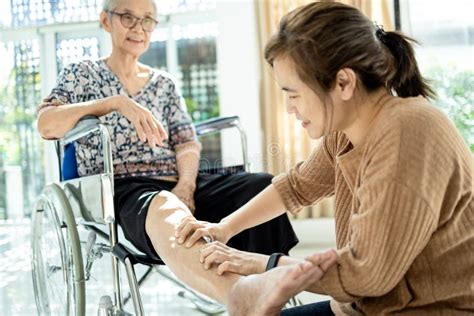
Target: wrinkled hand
149,129
191,230
185,192
229,259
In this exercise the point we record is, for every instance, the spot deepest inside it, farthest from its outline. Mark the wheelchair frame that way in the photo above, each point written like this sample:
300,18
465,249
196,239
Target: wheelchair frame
63,205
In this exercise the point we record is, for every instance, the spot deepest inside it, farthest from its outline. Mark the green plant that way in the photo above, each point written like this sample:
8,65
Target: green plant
9,149
198,114
456,98
9,140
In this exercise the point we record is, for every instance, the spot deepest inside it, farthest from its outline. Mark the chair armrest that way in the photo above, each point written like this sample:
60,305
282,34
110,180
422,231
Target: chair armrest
216,124
85,126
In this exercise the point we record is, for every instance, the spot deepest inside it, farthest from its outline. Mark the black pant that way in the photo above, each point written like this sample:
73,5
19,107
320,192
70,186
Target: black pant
216,196
314,309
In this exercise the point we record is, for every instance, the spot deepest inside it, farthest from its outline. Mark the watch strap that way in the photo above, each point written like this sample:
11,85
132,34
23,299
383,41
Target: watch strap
273,260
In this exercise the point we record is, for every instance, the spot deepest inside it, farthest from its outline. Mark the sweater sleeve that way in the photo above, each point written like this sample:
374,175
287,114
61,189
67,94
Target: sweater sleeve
386,237
310,180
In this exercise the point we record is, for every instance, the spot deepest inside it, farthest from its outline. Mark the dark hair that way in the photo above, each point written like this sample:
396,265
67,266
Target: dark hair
329,36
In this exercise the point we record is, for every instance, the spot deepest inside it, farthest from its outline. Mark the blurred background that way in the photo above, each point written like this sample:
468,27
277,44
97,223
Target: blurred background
214,48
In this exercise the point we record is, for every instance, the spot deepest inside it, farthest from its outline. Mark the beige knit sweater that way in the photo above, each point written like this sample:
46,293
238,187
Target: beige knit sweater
404,213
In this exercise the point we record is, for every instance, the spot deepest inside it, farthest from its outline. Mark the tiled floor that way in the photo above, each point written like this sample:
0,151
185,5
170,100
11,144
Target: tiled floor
16,289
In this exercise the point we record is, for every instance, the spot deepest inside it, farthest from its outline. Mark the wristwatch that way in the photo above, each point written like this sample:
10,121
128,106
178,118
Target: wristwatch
273,260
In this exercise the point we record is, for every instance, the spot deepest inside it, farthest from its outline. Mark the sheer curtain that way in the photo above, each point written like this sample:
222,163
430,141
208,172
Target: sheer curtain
285,141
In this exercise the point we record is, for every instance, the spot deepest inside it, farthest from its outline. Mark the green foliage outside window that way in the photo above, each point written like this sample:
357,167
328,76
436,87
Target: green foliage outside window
456,98
198,114
9,145
12,119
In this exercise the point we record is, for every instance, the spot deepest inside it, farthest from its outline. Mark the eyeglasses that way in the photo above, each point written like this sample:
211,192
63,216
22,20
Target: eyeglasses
130,21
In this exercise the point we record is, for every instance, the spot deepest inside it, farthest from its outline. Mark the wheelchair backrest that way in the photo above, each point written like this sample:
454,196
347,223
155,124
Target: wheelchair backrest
69,163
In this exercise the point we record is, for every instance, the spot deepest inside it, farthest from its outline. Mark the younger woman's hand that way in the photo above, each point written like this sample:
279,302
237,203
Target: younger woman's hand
149,129
325,260
228,259
191,230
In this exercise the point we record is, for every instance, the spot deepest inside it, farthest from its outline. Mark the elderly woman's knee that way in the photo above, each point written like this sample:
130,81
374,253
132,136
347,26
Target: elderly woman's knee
164,204
260,181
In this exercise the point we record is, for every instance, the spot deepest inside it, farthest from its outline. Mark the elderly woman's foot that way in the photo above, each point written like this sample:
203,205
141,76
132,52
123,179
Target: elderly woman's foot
267,293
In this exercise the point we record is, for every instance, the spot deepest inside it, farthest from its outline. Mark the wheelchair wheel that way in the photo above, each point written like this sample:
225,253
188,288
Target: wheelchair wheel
57,265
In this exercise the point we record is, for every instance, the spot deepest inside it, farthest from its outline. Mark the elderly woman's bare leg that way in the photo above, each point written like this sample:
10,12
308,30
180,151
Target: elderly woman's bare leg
261,294
164,214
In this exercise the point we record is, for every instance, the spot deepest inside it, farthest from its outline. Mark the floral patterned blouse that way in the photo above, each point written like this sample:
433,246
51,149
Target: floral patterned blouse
93,80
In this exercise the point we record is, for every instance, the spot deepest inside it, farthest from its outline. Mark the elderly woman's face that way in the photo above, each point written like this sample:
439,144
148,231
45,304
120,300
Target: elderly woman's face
131,39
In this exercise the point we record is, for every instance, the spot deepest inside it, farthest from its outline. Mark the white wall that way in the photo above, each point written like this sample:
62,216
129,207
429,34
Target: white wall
239,75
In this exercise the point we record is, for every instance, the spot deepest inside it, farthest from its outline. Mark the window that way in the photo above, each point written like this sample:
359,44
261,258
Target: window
76,49
21,175
39,12
194,64
445,31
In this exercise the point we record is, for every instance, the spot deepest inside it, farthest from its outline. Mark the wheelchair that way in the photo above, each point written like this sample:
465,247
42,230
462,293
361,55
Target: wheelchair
62,262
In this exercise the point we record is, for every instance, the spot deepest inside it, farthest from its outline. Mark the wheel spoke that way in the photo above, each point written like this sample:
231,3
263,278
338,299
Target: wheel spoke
55,257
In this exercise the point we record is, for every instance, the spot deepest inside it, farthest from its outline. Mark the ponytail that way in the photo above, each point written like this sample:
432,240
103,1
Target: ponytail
325,37
407,80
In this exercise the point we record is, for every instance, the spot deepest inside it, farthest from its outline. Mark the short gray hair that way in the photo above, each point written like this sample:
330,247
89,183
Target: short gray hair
108,5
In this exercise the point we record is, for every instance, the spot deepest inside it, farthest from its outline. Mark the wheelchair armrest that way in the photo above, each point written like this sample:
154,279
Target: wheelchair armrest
217,124
85,126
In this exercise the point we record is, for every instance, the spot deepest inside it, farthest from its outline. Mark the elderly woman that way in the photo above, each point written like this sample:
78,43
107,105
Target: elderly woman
155,151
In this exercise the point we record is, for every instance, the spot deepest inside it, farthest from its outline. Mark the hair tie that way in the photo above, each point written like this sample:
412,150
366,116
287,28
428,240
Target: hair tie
380,32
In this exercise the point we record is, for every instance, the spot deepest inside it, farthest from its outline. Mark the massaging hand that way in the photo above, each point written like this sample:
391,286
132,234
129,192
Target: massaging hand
228,259
191,230
185,192
323,259
149,129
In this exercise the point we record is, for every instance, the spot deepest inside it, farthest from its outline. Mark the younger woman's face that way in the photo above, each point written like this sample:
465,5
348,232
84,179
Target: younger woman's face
300,99
308,107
